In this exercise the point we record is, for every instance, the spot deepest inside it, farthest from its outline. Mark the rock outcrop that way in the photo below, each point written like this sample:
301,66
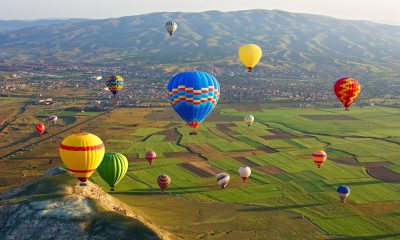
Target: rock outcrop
56,207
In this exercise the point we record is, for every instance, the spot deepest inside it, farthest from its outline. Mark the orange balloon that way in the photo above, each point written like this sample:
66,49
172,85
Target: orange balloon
40,128
319,157
347,90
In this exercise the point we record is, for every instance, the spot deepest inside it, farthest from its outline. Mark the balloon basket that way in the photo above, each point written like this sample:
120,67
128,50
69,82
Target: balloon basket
347,109
193,133
112,189
82,184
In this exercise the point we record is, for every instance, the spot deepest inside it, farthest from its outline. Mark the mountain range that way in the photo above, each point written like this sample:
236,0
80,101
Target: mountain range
288,40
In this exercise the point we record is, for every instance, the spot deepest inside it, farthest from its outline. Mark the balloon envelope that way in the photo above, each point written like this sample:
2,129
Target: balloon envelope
244,172
113,168
223,180
82,154
171,27
193,95
319,157
347,90
250,55
249,119
343,192
150,156
40,128
53,119
115,84
163,181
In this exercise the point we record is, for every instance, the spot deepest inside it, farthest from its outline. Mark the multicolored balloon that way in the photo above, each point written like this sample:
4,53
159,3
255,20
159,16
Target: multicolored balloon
223,180
171,27
150,156
249,119
319,157
115,84
343,191
193,95
163,181
347,90
113,168
40,128
244,172
82,153
250,55
53,119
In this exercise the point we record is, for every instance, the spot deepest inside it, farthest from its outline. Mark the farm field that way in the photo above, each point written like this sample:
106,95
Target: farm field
286,196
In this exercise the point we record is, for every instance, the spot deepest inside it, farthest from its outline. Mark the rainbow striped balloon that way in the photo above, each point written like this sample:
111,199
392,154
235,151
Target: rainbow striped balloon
163,181
115,84
193,95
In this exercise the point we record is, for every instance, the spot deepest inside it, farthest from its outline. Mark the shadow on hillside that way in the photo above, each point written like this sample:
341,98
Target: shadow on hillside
262,208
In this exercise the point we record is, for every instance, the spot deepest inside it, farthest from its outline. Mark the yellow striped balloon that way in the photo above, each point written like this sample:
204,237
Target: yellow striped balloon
82,154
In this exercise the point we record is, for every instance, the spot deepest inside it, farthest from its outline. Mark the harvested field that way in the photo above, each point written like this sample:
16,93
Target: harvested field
225,128
384,174
221,134
202,148
201,169
271,170
247,162
170,135
234,154
345,161
267,149
376,164
278,134
328,117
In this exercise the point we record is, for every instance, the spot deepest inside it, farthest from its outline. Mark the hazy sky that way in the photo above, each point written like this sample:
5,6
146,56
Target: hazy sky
374,10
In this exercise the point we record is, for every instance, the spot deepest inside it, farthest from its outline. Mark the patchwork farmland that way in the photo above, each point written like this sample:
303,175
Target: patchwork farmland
285,188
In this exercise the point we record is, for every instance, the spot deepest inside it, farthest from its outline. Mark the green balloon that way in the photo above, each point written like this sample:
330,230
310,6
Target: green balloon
113,168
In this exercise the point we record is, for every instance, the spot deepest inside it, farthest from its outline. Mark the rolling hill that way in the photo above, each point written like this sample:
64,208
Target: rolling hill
289,41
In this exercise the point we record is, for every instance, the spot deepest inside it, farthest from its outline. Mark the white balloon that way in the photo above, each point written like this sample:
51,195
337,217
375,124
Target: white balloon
171,27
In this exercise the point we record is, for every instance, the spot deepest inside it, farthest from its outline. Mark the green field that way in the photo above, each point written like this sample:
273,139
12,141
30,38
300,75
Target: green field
285,185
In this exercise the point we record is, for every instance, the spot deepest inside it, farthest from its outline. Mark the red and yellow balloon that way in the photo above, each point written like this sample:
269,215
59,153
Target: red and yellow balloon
347,90
82,153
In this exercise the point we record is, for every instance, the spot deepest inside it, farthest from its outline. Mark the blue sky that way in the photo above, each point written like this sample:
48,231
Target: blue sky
373,10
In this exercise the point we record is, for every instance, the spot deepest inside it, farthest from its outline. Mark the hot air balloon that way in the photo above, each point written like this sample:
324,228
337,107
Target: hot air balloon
150,156
343,192
82,154
40,128
319,157
250,55
223,180
193,95
115,84
347,90
249,119
53,119
113,168
163,181
171,27
244,172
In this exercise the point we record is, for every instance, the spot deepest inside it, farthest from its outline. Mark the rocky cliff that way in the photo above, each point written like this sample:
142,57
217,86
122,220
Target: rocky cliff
56,207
